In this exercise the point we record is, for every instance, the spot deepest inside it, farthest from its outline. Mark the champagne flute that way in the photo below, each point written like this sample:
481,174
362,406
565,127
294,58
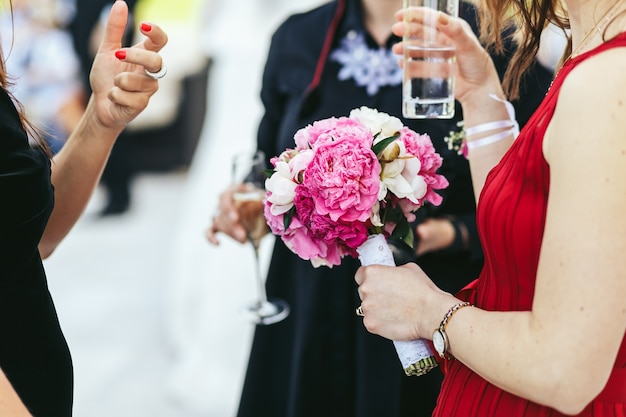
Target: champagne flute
249,180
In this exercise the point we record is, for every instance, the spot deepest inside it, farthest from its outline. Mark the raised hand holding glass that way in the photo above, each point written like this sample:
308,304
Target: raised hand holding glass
248,180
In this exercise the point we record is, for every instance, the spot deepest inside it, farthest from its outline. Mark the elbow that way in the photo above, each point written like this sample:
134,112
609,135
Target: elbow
46,250
571,394
571,405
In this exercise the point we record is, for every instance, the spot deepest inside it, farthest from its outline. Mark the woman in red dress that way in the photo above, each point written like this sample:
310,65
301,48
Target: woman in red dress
543,332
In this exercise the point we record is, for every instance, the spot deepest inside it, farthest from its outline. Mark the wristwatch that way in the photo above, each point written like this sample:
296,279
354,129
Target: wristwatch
440,338
440,342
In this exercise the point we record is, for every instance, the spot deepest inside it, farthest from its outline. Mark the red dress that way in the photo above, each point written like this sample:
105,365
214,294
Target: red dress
511,218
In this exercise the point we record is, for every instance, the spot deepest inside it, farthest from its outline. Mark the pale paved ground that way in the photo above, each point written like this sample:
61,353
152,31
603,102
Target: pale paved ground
149,309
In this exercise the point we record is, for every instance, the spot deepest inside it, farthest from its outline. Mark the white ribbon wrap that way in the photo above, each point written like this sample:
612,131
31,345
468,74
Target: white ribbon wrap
416,356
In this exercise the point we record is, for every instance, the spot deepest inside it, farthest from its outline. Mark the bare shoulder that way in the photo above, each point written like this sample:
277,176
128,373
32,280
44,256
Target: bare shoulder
600,79
590,116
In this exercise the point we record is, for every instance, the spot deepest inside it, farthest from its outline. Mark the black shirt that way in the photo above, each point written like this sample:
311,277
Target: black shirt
33,352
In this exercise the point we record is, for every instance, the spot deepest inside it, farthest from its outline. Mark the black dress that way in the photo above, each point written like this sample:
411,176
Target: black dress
33,352
321,361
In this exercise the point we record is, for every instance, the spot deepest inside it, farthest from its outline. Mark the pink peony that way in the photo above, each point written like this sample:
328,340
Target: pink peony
300,240
422,147
343,178
331,192
332,129
348,235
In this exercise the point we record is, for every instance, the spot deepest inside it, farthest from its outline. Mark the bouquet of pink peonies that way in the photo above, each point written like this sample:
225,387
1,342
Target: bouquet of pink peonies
349,183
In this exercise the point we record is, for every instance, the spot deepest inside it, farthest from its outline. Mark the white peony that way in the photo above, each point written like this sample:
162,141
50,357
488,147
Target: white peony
375,216
377,122
299,162
282,184
282,189
400,174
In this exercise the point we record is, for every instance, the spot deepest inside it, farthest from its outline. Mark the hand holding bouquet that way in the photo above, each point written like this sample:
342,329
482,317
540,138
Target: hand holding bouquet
349,183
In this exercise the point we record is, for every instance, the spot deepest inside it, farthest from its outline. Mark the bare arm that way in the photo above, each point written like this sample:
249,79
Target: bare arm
476,80
121,90
561,353
578,308
10,403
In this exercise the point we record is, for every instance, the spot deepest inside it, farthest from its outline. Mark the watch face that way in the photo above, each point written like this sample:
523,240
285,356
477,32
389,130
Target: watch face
438,342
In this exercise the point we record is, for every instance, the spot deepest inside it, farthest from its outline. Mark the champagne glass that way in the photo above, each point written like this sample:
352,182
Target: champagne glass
249,184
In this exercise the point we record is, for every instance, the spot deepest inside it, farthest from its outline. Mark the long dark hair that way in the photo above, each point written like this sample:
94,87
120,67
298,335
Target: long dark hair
33,132
530,18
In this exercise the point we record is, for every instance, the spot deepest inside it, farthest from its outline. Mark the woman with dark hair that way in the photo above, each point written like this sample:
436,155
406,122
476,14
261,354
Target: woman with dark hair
541,331
320,361
42,198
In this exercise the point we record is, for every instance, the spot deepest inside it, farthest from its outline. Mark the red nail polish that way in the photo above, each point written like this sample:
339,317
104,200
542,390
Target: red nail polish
146,27
119,54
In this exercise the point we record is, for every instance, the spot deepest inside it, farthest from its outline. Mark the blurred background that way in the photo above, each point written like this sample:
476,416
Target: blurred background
151,310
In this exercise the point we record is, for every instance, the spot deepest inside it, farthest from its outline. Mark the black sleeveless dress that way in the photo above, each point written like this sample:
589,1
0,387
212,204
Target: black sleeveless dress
33,352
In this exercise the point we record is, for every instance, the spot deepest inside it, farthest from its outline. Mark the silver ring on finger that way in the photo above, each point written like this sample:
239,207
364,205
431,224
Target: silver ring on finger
159,74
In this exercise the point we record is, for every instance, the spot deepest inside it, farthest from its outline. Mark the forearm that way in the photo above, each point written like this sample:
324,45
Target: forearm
76,171
480,107
10,403
516,352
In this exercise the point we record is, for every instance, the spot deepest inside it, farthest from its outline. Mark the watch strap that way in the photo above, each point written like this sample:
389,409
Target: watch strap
444,323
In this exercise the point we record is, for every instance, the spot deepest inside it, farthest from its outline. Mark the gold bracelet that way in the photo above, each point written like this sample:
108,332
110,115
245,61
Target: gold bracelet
440,338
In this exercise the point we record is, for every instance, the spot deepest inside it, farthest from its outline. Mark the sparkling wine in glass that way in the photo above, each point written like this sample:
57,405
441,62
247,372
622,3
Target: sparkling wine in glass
249,180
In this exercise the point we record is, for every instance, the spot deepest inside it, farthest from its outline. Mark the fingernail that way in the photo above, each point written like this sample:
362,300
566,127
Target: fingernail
119,54
444,19
146,27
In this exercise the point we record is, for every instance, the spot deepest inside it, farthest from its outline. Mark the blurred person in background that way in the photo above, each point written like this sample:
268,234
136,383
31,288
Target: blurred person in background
320,361
42,198
164,136
40,56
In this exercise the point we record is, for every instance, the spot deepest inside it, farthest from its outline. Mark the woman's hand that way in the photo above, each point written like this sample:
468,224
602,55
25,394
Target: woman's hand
226,219
476,82
400,303
121,88
475,71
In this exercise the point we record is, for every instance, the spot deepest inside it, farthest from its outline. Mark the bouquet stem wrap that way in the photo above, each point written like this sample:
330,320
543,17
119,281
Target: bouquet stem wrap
416,356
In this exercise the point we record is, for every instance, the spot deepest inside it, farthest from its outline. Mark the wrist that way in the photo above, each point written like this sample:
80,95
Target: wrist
440,337
438,305
480,107
488,133
91,127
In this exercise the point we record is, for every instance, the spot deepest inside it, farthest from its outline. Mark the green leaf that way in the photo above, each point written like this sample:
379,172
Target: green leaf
401,229
268,172
409,238
380,146
403,232
393,214
288,217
